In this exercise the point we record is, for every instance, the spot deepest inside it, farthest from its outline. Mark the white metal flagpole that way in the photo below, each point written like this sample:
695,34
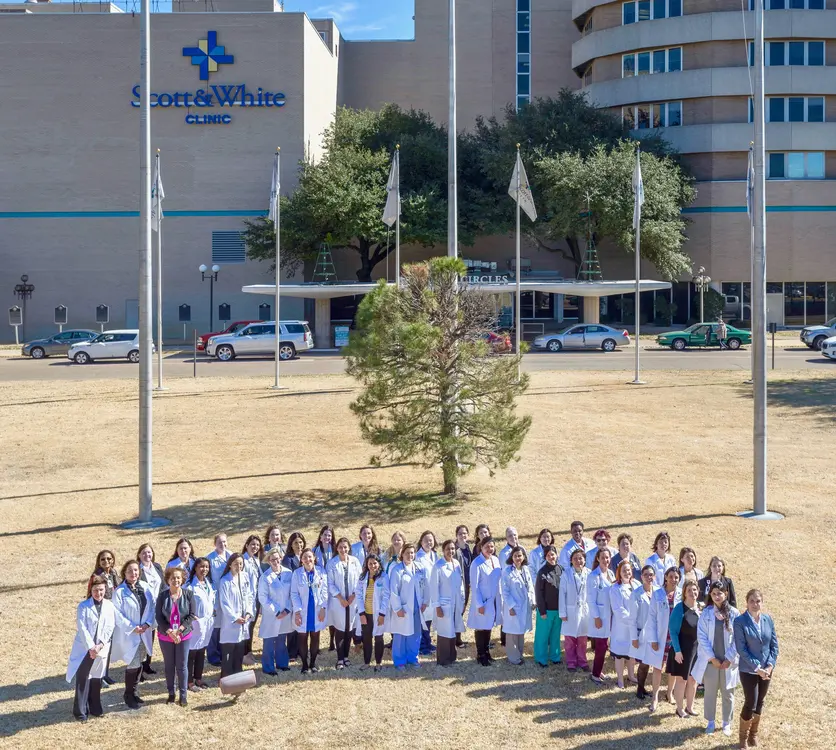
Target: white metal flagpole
158,226
452,158
638,200
277,221
518,302
398,224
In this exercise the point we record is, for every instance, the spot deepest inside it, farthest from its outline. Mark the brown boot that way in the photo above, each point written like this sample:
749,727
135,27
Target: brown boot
753,730
744,733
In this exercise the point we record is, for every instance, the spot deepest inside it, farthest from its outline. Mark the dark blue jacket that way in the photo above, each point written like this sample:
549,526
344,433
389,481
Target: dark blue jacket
757,651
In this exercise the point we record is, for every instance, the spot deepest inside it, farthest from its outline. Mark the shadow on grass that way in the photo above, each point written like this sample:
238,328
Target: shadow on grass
814,397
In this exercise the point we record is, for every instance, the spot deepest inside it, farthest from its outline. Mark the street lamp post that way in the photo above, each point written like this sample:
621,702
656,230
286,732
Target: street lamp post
23,292
701,282
213,277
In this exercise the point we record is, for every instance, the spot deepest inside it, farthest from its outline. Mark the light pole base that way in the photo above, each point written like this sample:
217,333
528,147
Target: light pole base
768,516
160,388
279,388
637,382
156,522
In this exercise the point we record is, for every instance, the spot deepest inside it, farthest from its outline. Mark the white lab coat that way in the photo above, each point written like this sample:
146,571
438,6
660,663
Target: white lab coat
380,603
217,563
274,597
564,558
639,612
92,628
359,551
705,647
598,587
324,557
485,578
536,560
204,597
621,596
404,586
178,563
574,602
336,585
505,552
299,595
447,592
660,566
590,556
427,561
125,640
252,567
657,627
697,572
517,594
235,599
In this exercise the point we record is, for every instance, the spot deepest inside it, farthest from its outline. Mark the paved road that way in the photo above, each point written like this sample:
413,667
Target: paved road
180,366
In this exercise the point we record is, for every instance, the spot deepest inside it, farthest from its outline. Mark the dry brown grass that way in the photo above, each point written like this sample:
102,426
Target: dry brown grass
232,456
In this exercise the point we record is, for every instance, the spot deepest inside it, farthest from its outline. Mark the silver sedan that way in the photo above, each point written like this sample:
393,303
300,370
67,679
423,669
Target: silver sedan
60,343
583,336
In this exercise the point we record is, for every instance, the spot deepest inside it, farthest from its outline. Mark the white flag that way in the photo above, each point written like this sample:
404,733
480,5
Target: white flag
157,196
525,198
392,210
750,185
275,186
638,191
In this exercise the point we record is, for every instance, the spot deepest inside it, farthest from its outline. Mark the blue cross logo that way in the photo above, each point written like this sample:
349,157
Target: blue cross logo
208,55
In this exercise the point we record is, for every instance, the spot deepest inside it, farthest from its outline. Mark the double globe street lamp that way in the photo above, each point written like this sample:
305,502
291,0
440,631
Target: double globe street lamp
701,282
212,275
23,291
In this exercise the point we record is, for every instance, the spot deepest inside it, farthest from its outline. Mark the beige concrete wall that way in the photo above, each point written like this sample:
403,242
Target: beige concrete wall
320,89
717,54
706,110
606,16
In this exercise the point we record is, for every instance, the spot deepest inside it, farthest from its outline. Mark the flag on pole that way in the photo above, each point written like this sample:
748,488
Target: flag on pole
638,191
392,210
750,185
275,186
526,199
157,196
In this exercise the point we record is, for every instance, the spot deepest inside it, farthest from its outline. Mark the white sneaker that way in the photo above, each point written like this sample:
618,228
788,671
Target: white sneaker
709,729
727,730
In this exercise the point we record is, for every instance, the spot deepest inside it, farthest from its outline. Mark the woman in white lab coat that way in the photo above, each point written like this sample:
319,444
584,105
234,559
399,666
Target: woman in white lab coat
537,558
408,594
309,597
517,603
621,596
717,659
392,555
235,610
366,545
343,574
203,595
252,567
661,559
95,619
640,606
598,587
133,602
324,551
574,611
427,556
273,540
486,599
447,602
183,556
373,605
662,604
150,572
276,614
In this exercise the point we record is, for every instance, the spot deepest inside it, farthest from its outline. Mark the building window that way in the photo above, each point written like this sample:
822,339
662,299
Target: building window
654,61
587,76
796,165
228,247
790,53
644,116
649,10
790,4
523,52
791,109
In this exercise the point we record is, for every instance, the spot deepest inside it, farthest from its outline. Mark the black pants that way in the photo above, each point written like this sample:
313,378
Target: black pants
175,659
343,640
146,665
88,691
754,694
248,648
446,653
482,638
197,660
292,645
641,676
232,658
307,655
370,640
501,636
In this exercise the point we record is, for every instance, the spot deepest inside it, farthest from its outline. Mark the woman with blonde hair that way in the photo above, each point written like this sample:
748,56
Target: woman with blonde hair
621,595
392,555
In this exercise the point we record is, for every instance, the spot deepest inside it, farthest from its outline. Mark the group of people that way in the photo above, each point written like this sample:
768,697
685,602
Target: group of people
663,614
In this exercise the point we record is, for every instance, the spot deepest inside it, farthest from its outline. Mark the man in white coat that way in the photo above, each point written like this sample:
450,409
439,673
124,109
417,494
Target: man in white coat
407,603
578,541
96,619
447,602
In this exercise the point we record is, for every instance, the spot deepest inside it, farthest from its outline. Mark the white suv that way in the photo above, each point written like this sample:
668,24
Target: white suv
260,338
107,345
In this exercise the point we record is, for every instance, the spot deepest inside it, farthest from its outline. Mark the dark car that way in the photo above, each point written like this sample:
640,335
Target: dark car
60,343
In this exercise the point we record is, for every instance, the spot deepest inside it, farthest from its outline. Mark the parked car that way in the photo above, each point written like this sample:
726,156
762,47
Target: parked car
108,345
60,343
260,338
695,335
500,343
583,336
828,347
814,336
231,328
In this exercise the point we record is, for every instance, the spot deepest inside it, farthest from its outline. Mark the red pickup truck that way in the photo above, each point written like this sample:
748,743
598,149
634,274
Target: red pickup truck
231,328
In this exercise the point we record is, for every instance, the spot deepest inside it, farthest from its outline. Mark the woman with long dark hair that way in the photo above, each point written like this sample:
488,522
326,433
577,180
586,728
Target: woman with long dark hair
151,573
324,551
716,572
464,555
292,561
547,597
574,611
183,556
661,559
343,574
367,544
427,557
537,557
372,596
235,610
486,607
664,600
517,590
446,596
105,568
175,614
640,633
309,594
598,586
203,625
252,567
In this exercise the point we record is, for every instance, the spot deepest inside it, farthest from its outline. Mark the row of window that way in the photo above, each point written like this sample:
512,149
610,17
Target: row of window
659,115
790,53
791,109
649,10
805,303
796,165
652,61
789,4
523,52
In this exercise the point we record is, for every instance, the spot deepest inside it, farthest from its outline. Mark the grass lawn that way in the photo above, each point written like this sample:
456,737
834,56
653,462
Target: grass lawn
231,456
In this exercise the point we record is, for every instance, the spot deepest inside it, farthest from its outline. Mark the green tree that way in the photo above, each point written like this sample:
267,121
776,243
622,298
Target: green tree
432,392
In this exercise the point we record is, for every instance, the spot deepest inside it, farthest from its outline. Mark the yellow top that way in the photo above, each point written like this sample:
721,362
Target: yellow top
368,605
